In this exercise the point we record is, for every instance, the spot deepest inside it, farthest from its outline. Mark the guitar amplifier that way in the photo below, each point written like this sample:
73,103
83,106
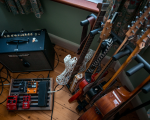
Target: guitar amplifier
27,51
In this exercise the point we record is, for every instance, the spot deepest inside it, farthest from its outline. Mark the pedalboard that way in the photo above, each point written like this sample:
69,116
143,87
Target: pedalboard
30,94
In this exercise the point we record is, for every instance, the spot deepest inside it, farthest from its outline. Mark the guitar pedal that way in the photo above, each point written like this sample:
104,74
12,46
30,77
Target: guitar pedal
26,102
22,86
32,87
12,102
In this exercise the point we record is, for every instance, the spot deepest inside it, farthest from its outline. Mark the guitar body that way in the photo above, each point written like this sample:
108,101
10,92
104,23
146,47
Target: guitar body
107,105
82,84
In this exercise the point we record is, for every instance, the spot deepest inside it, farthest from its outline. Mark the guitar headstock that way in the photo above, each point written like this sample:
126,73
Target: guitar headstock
139,21
106,30
144,39
107,27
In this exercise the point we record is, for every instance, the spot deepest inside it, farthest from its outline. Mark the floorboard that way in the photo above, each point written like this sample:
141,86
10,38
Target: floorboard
62,109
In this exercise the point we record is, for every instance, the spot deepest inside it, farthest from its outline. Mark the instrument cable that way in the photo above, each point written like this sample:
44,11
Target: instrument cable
2,81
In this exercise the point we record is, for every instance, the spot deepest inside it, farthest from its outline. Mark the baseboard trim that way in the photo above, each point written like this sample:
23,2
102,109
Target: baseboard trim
116,65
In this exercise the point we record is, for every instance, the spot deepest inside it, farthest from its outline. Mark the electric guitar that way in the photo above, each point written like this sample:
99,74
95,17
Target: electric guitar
104,35
69,62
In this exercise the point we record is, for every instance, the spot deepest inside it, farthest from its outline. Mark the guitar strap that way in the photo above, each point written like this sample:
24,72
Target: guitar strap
84,33
96,63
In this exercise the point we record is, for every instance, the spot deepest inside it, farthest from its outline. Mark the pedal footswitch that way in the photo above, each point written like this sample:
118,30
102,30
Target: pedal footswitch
26,102
12,102
32,87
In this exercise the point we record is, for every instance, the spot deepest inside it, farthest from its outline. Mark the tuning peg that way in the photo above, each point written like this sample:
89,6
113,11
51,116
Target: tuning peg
136,18
141,23
137,27
129,26
132,23
148,36
145,18
141,13
148,4
102,24
145,8
142,32
133,31
148,26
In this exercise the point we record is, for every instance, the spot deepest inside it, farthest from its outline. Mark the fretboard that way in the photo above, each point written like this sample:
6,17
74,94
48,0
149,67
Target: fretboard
88,42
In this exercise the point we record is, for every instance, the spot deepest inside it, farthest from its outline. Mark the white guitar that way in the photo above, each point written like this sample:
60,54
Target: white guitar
70,63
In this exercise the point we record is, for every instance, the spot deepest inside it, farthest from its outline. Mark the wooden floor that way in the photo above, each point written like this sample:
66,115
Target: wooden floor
62,109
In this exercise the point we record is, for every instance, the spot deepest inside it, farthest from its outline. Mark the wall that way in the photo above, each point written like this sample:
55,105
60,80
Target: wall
63,21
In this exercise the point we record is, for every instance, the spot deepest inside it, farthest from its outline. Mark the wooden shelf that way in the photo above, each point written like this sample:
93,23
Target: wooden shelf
82,4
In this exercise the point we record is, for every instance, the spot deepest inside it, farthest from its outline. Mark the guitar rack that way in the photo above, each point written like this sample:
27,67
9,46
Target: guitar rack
141,62
34,105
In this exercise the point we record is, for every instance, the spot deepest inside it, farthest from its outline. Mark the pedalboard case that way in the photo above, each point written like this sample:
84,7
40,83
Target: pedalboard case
27,51
21,99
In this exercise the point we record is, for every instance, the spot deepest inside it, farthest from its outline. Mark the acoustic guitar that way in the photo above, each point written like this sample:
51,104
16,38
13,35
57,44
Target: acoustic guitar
131,32
107,106
93,64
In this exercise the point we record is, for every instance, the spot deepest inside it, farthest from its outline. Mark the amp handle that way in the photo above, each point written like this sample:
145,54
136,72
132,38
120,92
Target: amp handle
17,41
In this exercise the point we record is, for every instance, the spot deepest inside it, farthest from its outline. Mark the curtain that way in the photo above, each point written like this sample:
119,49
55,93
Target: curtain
127,9
24,7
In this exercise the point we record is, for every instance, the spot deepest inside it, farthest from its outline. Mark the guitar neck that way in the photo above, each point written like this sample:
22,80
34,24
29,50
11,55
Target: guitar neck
88,42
